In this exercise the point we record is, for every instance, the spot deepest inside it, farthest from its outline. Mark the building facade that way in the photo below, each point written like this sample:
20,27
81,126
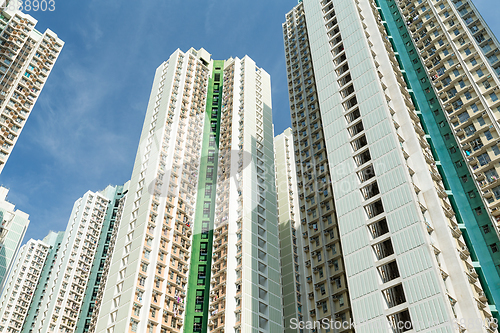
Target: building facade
402,246
73,273
199,230
27,57
88,323
18,292
105,247
53,240
451,58
291,258
13,227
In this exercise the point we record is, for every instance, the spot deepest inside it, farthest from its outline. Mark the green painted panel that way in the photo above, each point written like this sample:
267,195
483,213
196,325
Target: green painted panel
196,319
464,196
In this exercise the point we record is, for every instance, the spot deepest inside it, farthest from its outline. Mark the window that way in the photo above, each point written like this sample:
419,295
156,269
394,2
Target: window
488,135
208,190
467,51
206,208
492,59
463,116
133,325
452,92
211,156
473,62
493,97
496,150
484,159
494,248
486,229
479,73
481,121
456,32
496,192
491,175
474,107
341,300
322,289
469,130
486,84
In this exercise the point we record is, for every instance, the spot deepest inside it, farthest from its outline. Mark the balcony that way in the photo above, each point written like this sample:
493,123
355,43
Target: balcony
383,249
389,272
464,252
379,228
374,209
394,296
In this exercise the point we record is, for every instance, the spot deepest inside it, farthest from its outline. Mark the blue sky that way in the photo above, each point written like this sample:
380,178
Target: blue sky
84,130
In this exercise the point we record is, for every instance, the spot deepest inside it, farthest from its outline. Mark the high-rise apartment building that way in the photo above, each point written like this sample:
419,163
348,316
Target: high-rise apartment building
291,260
26,60
73,273
54,241
100,268
197,249
13,225
18,292
450,57
359,131
104,249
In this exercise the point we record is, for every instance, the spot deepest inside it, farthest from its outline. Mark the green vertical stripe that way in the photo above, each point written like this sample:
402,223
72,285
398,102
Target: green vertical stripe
465,197
194,315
